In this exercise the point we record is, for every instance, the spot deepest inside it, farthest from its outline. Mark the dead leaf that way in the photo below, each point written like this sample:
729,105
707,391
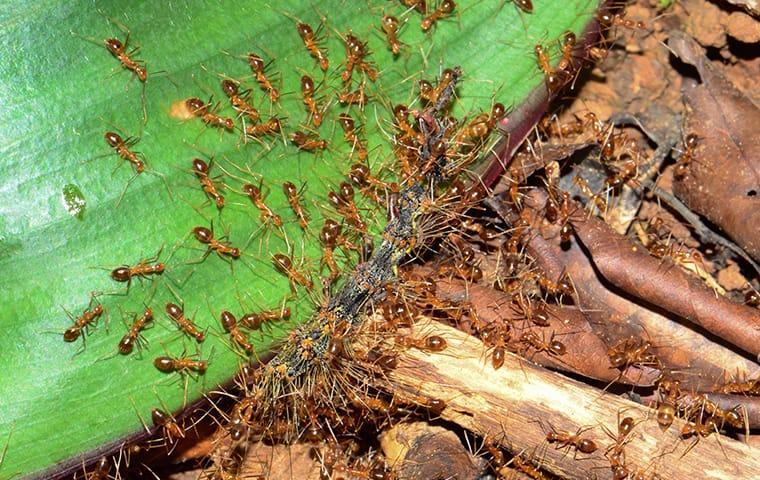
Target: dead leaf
723,179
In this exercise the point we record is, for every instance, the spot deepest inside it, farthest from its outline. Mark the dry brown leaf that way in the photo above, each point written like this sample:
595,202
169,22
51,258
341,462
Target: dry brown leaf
723,179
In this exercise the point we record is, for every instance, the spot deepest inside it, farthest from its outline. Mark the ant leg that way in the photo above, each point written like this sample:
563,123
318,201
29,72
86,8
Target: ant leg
144,104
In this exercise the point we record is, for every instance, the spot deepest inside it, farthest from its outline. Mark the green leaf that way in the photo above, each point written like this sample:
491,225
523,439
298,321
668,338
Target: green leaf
69,215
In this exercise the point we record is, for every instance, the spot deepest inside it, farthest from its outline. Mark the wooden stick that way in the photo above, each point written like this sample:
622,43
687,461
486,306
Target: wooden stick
518,404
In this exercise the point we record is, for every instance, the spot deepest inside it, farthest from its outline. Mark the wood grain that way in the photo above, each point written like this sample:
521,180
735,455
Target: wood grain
519,403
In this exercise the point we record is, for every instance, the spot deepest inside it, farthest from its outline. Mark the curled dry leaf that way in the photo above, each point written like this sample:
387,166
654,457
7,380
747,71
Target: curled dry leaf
697,361
567,324
664,284
723,178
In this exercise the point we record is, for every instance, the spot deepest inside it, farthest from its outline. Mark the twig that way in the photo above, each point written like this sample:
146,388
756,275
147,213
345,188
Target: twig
517,405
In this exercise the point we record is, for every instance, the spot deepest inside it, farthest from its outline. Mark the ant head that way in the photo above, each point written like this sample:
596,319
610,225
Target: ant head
252,190
307,85
256,62
113,139
447,6
346,122
229,87
195,105
203,234
525,5
282,262
390,23
199,166
141,73
305,30
114,45
173,310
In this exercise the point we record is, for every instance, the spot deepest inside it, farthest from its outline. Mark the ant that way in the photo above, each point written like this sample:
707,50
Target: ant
609,20
201,110
432,343
356,51
390,25
125,273
343,203
499,353
478,130
442,92
229,322
361,177
427,91
182,365
524,5
627,352
273,126
125,57
119,50
552,77
748,387
201,170
121,146
206,236
401,121
752,298
446,7
563,285
311,41
682,166
307,89
419,5
284,264
497,454
669,392
699,428
445,85
463,268
616,452
331,234
399,313
349,133
537,314
357,97
132,336
185,324
565,439
82,323
257,66
240,418
254,193
100,471
168,425
239,102
565,64
307,142
385,362
527,468
585,189
293,195
552,347
255,320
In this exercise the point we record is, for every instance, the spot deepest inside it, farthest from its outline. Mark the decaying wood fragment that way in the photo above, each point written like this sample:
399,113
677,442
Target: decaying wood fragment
518,404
